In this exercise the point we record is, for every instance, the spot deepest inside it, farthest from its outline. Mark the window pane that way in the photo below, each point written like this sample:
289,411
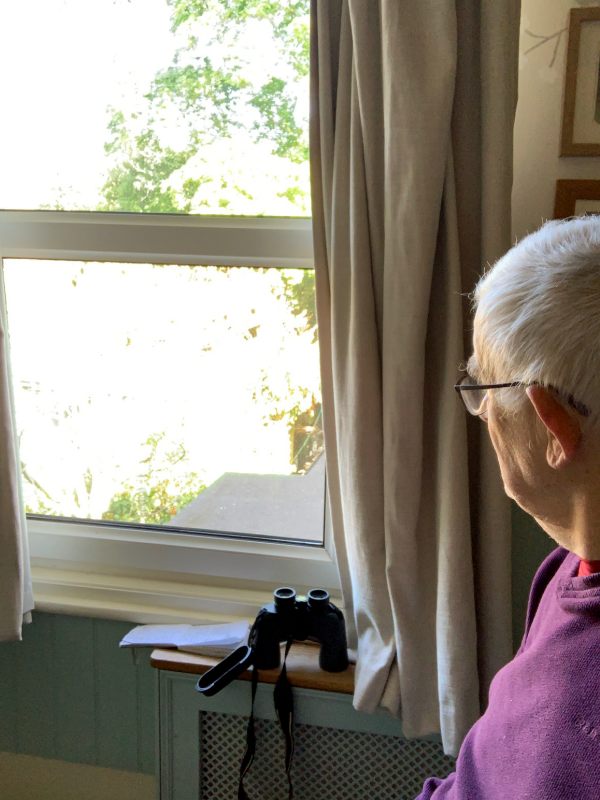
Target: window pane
155,106
169,395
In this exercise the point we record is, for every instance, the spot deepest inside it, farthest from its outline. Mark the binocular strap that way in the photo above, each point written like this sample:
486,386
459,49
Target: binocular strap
284,706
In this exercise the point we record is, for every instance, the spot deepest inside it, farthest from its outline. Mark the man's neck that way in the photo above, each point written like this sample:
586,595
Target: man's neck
580,535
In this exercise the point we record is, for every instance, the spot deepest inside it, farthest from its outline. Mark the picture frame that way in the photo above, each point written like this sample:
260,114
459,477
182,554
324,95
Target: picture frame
581,112
576,198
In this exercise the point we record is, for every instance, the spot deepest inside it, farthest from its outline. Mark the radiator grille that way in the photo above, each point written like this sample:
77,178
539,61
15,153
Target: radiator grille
328,764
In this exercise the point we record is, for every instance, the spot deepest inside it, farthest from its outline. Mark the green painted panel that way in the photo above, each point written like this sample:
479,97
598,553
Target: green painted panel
182,721
68,692
147,697
8,697
116,698
74,670
35,683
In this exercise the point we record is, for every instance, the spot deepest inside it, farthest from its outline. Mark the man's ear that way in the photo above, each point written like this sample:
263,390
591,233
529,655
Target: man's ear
564,433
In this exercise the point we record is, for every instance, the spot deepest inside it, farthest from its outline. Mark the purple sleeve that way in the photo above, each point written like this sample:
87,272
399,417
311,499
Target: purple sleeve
431,786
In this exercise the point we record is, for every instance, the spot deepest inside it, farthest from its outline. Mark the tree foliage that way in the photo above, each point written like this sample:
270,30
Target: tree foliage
219,105
157,494
300,296
276,111
139,181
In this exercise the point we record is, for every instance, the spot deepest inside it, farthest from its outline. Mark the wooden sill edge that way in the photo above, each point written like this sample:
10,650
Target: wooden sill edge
302,669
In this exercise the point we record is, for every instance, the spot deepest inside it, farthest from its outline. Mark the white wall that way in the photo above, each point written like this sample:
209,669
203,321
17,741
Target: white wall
539,114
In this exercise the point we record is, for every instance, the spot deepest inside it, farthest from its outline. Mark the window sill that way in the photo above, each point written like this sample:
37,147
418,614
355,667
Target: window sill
302,669
144,577
143,600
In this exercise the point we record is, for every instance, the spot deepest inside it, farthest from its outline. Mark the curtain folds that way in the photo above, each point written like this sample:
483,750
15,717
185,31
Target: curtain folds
412,106
16,599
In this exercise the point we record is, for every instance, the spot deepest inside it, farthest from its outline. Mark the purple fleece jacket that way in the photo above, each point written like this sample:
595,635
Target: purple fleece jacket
539,738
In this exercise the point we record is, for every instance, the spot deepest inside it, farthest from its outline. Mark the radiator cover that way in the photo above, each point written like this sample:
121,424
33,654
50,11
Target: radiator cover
340,753
329,764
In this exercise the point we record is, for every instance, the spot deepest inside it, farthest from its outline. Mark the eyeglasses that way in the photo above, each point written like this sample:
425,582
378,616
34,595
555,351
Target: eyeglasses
474,395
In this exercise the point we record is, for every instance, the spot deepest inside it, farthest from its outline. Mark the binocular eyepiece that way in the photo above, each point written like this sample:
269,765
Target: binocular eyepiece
284,598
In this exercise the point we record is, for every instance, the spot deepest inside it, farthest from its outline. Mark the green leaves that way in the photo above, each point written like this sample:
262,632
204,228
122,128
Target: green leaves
157,495
202,90
186,11
278,122
218,114
139,181
300,296
155,505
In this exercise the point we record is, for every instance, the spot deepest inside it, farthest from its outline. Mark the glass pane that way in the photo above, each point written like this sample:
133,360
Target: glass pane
192,106
169,395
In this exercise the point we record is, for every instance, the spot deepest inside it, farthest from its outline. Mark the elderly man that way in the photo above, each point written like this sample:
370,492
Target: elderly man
534,378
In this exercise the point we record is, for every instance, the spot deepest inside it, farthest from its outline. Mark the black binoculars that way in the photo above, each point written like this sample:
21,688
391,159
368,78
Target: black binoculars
286,618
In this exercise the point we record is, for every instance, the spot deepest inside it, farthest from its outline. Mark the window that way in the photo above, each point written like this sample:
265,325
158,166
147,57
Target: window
168,395
158,280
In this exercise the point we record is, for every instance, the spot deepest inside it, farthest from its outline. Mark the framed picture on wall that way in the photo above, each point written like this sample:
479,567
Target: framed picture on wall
581,113
576,198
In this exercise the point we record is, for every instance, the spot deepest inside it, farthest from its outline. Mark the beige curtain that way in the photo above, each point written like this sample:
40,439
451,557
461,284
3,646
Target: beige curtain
16,600
412,107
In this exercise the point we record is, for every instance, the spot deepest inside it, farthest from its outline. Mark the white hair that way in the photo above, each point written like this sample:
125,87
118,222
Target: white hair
538,312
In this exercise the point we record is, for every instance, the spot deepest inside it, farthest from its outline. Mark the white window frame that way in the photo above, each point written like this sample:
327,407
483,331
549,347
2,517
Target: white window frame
148,575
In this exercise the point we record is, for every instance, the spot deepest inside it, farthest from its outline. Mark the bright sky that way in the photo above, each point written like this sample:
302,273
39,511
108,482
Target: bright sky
68,61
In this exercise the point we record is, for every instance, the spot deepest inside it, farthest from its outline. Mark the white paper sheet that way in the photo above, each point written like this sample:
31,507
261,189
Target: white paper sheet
208,639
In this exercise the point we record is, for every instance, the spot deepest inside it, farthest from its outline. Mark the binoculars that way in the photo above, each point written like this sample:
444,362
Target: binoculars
286,618
315,618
